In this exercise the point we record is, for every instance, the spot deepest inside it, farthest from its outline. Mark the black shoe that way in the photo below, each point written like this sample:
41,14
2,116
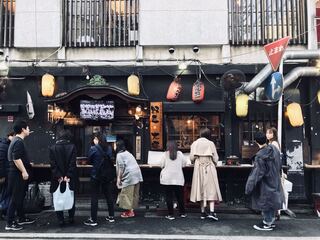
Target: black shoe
71,220
183,215
90,222
23,221
203,215
262,227
272,224
13,226
213,216
110,219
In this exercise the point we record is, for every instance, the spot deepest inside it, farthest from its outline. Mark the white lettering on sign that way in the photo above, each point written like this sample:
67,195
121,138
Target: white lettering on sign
276,50
97,110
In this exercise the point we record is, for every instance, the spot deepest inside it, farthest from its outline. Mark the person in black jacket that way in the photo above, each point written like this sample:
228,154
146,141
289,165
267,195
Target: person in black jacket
264,183
4,167
102,176
18,176
64,169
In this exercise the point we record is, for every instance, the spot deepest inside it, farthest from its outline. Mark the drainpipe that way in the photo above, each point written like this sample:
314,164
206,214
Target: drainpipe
267,70
300,72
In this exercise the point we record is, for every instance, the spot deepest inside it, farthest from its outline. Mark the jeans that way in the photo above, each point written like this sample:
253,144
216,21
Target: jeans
268,216
178,191
107,188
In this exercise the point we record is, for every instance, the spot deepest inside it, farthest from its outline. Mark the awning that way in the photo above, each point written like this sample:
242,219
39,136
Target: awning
97,92
188,106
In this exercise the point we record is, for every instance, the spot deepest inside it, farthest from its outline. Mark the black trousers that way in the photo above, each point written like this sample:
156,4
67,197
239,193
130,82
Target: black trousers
107,188
178,191
17,190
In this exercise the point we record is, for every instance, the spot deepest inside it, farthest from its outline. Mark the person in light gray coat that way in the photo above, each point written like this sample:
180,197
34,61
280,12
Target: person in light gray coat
264,183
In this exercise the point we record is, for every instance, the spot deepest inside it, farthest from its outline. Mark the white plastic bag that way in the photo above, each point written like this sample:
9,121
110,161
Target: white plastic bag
63,201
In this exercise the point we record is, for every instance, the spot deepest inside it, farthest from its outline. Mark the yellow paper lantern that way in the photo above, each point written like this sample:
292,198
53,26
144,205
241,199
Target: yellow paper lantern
133,85
47,85
242,101
295,116
318,96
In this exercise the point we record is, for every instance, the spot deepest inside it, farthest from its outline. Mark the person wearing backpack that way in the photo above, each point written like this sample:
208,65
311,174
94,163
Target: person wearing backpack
103,174
63,158
172,178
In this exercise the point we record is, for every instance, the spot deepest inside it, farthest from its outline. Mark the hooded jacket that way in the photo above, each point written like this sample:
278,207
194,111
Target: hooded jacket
264,183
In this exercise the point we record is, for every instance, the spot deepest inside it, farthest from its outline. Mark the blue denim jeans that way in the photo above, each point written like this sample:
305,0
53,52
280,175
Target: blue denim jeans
268,216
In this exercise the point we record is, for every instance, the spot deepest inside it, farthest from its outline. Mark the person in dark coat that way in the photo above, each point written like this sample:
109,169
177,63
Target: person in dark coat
103,174
64,169
4,169
264,183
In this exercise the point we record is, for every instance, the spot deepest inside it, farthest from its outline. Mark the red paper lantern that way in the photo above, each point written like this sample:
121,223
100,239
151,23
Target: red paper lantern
198,91
174,90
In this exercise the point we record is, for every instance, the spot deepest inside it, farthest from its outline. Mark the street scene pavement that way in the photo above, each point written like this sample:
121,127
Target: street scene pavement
151,224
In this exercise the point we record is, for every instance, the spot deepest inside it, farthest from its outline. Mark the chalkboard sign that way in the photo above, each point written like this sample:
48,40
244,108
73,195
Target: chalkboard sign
96,110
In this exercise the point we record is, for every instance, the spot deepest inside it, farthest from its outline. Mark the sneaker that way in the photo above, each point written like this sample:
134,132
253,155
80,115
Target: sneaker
127,214
212,216
110,219
203,215
23,221
262,227
183,215
13,226
90,222
170,217
272,224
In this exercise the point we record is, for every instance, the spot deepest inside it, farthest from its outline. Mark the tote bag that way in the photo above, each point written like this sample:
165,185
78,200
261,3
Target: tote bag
63,201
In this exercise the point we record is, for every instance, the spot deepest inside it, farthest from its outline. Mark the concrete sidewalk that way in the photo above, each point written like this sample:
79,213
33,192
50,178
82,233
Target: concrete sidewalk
149,225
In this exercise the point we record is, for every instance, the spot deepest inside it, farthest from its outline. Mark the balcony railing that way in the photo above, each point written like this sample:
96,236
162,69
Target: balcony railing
100,23
258,22
7,12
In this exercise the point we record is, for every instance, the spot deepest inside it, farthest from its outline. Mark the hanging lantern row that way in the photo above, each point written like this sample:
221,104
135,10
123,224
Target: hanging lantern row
47,85
294,113
175,90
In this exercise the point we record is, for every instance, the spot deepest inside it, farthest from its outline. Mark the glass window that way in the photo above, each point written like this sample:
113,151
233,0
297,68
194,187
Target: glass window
185,129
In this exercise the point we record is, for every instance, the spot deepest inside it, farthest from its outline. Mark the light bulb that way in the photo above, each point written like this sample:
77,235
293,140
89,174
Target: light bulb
87,77
182,66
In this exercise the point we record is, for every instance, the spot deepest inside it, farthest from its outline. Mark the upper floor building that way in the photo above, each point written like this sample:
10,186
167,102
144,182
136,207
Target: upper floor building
124,32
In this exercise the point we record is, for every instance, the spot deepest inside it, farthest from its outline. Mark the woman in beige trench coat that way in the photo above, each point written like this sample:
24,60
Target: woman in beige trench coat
205,186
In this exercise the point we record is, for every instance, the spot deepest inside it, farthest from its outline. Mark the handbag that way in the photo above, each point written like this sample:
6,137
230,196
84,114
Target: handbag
34,200
63,200
106,171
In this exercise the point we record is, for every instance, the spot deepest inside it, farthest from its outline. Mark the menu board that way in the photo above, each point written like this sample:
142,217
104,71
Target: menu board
96,110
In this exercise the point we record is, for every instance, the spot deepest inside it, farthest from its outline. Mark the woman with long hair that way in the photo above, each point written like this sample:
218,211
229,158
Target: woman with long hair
205,185
172,178
102,176
128,180
272,137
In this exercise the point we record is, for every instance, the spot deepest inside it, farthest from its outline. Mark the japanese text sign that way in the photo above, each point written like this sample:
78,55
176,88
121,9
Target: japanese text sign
156,135
275,51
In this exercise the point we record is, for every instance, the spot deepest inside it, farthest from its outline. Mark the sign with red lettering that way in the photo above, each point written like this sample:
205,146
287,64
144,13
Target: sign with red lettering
275,51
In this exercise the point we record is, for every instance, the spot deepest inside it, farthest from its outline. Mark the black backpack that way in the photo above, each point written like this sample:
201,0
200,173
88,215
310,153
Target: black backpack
106,171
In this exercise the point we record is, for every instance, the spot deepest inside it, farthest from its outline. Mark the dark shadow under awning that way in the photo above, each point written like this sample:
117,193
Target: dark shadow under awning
189,106
97,92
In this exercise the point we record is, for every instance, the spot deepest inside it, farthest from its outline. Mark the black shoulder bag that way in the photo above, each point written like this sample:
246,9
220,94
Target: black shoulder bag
106,171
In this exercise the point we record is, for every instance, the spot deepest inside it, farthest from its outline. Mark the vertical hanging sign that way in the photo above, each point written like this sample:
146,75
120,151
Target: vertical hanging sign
156,135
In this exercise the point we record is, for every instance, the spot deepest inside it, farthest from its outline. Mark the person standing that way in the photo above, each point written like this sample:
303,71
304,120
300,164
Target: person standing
264,184
63,169
272,137
103,174
205,185
172,178
18,176
128,180
4,168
